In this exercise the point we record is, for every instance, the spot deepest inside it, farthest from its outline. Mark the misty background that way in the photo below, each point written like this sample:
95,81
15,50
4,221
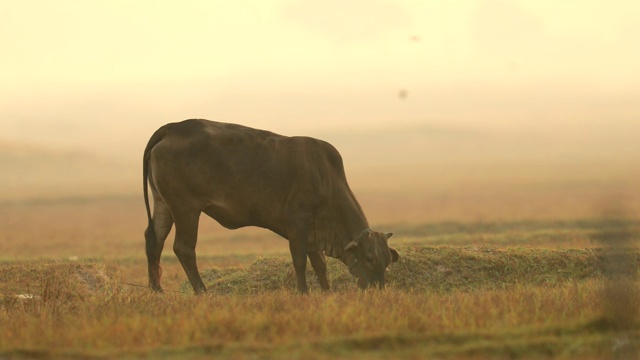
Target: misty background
414,94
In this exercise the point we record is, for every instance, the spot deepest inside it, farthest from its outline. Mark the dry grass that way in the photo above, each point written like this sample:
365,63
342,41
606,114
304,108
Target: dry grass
442,301
426,269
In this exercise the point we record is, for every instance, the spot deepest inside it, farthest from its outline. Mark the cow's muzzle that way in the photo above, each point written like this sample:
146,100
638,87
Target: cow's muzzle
366,281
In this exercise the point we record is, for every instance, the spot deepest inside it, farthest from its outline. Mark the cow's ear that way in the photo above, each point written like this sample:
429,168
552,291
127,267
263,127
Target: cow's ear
350,246
388,235
394,255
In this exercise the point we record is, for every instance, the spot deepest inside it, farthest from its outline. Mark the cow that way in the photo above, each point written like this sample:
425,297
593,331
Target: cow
240,176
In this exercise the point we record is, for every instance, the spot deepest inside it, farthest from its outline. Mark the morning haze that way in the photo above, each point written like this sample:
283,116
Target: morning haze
496,140
424,92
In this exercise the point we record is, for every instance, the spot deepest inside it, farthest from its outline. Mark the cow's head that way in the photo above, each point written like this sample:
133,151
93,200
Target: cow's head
370,257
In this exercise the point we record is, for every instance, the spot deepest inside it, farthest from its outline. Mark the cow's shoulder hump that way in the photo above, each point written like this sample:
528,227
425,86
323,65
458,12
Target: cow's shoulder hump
319,150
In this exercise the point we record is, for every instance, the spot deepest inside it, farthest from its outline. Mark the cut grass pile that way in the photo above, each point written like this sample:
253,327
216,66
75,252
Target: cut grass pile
65,279
429,269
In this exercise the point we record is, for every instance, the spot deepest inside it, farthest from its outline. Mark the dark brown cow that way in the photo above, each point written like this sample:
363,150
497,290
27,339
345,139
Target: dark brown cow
239,176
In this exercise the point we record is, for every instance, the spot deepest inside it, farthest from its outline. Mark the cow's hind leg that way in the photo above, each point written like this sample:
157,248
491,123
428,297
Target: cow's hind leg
320,267
155,236
185,247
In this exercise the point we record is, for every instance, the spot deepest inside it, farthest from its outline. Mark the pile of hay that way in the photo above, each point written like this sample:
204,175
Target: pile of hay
53,280
268,274
423,268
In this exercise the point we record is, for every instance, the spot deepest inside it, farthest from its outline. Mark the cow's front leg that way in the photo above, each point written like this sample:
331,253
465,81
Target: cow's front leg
298,248
320,267
298,238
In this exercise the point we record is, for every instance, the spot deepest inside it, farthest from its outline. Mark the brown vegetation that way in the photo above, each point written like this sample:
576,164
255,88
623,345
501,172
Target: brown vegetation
441,301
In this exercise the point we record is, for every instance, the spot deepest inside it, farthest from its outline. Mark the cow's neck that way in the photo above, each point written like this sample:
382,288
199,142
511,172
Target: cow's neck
353,223
337,223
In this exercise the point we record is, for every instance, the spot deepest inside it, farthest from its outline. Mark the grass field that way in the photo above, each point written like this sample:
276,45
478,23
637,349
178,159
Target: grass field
503,266
441,301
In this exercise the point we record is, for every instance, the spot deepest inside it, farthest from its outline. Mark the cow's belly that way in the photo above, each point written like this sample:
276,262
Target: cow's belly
226,216
237,216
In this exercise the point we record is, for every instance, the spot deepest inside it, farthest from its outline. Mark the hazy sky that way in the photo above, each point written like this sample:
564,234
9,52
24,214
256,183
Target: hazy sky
67,68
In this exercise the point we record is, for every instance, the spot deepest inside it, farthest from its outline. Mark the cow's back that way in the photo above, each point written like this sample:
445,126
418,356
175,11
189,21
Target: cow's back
239,175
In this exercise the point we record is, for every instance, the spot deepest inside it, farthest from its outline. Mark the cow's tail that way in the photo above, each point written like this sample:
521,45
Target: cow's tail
150,233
